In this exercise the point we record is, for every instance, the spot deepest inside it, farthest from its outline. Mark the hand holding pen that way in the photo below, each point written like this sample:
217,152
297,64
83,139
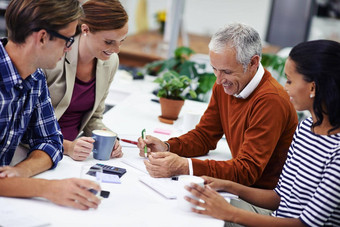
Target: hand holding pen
152,144
145,147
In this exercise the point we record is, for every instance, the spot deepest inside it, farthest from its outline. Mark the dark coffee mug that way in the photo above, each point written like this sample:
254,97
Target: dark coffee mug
104,143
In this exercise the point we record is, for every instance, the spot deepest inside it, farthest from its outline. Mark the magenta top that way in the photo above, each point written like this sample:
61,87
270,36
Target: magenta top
82,101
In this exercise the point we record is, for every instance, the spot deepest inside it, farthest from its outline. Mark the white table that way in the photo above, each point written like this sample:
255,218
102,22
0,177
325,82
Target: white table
131,203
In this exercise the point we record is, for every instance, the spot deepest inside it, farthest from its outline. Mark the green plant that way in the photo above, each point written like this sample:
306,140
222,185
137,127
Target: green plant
173,86
202,81
275,63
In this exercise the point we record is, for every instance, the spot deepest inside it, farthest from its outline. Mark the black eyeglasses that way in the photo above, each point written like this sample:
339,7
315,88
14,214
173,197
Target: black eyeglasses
69,40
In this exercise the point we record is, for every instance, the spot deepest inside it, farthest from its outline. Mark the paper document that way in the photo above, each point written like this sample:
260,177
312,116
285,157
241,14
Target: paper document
169,188
164,186
9,217
136,162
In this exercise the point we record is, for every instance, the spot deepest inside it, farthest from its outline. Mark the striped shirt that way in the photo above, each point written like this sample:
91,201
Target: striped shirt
26,113
309,185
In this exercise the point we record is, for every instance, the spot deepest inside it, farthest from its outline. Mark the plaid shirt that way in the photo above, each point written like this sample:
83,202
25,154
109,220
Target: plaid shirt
26,113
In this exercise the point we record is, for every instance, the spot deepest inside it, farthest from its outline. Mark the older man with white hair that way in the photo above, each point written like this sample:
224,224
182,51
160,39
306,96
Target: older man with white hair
248,106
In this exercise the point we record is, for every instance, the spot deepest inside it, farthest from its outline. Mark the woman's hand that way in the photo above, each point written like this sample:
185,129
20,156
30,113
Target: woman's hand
117,150
217,184
214,204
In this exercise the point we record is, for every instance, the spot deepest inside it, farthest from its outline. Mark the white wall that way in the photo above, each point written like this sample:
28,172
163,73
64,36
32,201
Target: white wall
207,16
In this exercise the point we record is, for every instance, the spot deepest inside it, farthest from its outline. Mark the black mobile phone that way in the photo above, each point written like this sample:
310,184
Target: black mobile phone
104,194
112,169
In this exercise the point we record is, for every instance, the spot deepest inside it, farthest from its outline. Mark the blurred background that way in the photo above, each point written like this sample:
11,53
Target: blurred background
157,27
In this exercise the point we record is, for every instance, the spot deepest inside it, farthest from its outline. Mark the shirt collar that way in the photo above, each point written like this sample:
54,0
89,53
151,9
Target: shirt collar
251,86
9,73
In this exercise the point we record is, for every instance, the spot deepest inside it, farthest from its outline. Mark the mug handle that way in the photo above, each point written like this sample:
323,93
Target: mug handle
95,138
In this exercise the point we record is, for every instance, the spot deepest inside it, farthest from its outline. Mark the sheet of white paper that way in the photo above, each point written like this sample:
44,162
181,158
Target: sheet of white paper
136,162
10,218
164,186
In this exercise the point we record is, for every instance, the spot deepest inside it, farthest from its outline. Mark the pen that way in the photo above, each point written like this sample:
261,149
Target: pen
145,147
174,178
129,141
155,100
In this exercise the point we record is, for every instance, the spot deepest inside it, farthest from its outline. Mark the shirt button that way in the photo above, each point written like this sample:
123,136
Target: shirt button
8,142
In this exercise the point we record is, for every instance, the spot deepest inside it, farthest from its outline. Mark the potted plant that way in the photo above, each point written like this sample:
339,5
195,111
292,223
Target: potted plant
202,81
173,88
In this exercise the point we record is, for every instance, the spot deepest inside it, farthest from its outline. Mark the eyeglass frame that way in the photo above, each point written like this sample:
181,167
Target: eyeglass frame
69,40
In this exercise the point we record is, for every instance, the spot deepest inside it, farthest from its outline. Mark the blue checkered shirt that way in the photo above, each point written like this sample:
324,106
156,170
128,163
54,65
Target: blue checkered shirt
26,113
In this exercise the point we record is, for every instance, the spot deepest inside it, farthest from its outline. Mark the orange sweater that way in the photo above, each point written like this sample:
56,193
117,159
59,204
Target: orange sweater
258,130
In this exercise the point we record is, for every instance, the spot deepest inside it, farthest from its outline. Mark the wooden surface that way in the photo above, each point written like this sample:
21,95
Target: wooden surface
140,49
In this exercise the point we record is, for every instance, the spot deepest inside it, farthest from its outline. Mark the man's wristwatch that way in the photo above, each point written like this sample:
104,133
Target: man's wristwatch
168,145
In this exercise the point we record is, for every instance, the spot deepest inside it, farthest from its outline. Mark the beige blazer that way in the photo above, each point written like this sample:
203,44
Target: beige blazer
61,79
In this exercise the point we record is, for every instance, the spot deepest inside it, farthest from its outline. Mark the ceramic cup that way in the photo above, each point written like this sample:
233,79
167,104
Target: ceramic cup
186,180
190,120
103,145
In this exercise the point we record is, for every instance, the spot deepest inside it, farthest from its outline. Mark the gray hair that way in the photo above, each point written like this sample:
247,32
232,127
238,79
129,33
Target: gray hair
245,39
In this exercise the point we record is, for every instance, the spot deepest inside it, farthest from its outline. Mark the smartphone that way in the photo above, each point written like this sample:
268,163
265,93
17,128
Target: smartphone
104,194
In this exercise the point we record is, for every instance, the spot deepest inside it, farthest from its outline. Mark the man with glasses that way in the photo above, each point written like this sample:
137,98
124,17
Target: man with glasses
39,34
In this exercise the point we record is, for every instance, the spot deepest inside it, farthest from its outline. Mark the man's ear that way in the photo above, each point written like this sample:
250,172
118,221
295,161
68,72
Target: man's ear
41,37
254,62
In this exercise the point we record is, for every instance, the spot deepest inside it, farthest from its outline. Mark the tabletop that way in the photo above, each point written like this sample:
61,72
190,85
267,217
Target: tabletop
131,203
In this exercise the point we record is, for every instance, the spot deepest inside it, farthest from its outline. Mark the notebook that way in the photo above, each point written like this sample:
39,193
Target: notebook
136,163
169,188
164,186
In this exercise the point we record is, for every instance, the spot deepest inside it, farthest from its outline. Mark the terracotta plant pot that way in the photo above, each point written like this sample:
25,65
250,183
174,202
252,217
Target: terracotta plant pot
170,108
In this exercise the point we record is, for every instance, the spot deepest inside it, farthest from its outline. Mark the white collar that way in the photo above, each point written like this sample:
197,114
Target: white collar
251,86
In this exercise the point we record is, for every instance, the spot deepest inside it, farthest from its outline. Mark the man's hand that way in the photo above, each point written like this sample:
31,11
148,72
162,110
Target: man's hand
166,164
80,148
154,145
117,150
13,171
72,193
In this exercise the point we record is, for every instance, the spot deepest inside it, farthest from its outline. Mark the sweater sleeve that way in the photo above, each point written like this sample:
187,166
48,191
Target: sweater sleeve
204,137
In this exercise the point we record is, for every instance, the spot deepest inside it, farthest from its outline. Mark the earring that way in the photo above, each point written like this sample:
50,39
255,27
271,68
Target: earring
311,96
85,34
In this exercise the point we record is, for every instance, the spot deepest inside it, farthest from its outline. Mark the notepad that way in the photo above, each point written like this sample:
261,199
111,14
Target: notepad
136,163
110,178
10,217
169,188
164,186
